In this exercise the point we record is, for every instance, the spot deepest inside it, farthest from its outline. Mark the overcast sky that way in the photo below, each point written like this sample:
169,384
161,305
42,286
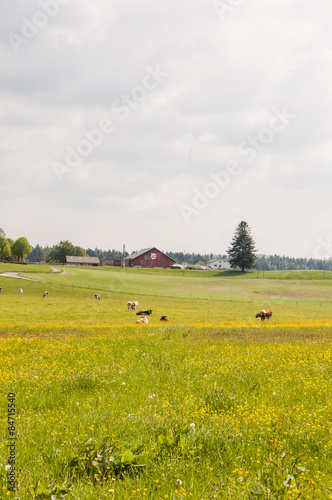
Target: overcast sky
167,123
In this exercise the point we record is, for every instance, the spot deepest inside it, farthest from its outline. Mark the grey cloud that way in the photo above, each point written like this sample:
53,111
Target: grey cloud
225,80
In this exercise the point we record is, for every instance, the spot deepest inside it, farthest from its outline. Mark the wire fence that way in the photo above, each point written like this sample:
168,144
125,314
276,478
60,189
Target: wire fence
214,298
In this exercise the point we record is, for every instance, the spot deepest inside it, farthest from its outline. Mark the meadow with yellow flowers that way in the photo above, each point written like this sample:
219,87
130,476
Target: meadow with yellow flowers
213,404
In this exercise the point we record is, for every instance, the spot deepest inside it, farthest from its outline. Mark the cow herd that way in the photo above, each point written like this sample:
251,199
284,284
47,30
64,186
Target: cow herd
132,305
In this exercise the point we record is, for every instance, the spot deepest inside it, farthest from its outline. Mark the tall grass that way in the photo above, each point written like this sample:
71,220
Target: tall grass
170,412
214,404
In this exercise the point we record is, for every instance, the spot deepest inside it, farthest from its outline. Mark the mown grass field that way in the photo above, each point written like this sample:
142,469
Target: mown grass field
214,404
305,287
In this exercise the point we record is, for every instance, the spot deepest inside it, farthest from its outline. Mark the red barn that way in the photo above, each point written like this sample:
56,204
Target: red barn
149,257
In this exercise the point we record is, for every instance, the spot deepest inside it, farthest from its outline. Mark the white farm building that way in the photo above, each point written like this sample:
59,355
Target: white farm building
221,264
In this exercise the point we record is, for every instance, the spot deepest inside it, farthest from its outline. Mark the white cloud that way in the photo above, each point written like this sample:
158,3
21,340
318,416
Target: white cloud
225,79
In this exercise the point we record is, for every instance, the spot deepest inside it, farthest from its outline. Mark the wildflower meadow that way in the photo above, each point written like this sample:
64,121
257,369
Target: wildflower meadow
214,404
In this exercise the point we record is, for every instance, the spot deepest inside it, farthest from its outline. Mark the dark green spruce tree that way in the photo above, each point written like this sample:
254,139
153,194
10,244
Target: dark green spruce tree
242,249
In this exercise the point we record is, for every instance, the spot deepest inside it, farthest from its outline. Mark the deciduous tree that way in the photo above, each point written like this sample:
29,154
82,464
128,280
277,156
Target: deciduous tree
59,252
5,250
21,248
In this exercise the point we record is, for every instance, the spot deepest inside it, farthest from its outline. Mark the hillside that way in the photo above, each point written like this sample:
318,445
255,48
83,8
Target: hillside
301,287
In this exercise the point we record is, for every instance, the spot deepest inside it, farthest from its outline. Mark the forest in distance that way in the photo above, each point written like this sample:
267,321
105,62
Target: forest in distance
21,250
266,262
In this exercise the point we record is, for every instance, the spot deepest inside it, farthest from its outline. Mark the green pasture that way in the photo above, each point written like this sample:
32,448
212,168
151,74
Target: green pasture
24,268
296,287
169,412
73,301
213,404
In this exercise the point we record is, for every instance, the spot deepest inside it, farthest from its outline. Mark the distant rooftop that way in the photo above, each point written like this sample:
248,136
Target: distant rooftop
217,259
72,259
140,252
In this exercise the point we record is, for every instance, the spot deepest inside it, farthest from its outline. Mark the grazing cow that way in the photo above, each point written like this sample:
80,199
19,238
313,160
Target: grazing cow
144,319
164,318
132,305
97,296
0,289
20,291
46,294
146,313
265,313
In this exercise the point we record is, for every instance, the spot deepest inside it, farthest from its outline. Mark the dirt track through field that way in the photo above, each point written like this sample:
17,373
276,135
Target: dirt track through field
16,275
56,270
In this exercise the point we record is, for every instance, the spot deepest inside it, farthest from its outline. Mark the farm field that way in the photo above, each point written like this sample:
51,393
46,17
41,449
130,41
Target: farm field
306,287
214,404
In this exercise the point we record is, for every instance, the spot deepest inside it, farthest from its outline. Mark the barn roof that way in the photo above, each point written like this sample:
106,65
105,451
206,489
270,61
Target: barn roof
73,259
139,253
217,260
145,250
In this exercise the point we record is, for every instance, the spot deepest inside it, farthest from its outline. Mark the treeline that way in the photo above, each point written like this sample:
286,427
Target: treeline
13,250
58,253
106,254
190,258
21,250
282,263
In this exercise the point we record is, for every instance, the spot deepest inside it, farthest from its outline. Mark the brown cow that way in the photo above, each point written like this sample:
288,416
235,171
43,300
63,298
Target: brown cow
265,313
164,318
132,305
46,294
0,289
97,296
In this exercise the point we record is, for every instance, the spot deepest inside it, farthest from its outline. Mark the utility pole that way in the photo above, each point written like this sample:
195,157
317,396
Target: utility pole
263,266
123,255
260,268
324,268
